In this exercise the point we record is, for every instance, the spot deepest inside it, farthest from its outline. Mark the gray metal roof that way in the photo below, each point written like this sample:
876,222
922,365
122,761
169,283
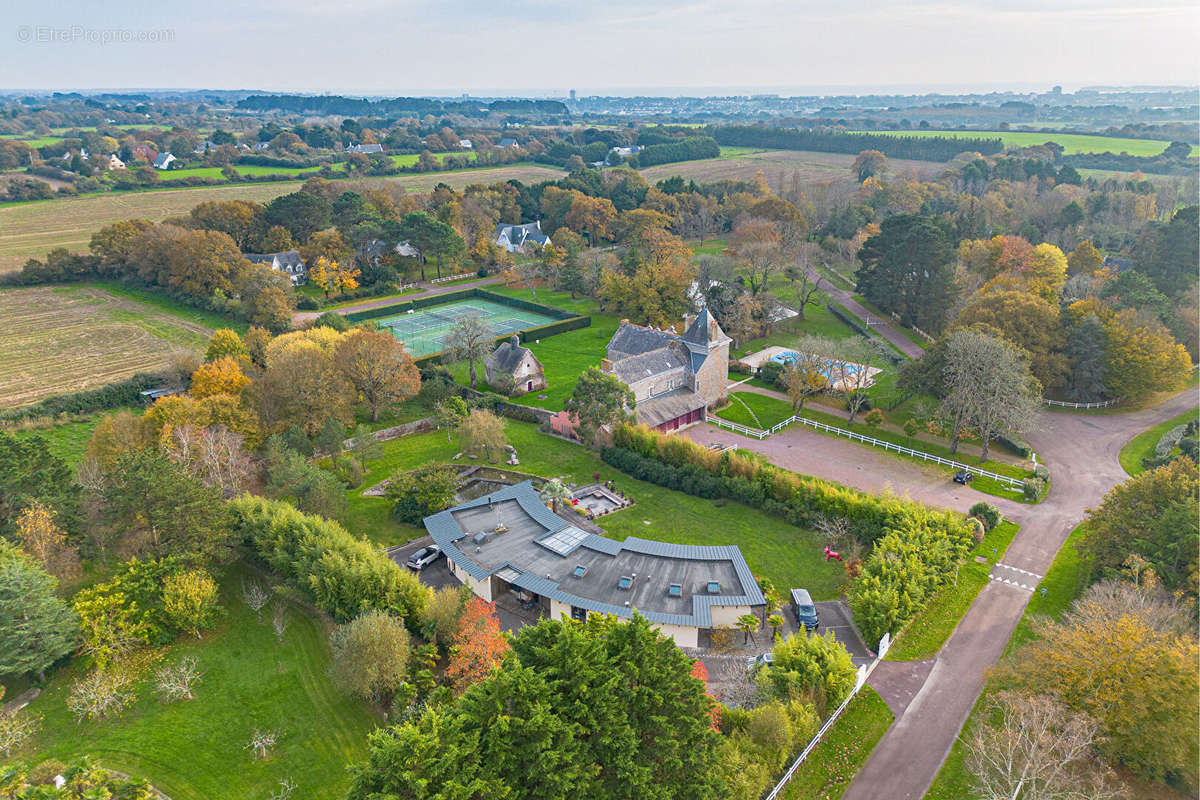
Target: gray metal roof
652,565
665,407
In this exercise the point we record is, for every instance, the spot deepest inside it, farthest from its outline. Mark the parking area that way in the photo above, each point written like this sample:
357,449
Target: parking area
835,617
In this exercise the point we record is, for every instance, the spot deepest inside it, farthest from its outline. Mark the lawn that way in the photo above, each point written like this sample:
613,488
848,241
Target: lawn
406,160
1072,143
755,410
83,336
710,247
1142,445
195,750
834,762
67,440
925,634
788,555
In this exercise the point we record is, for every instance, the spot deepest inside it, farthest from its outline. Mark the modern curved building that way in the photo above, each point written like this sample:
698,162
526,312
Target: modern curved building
682,589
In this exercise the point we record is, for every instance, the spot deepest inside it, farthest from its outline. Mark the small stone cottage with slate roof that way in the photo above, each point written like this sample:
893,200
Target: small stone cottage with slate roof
513,369
674,378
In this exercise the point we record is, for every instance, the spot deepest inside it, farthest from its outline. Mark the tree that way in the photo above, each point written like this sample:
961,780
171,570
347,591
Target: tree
330,439
776,622
225,342
908,268
100,693
1153,516
120,433
846,365
364,446
190,600
370,656
334,276
15,727
470,339
748,625
599,399
450,413
431,237
477,647
1085,349
554,493
262,742
1084,259
990,388
223,376
330,245
805,376
868,164
302,386
41,538
439,621
806,284
300,213
1037,749
1169,253
653,288
32,472
256,596
161,510
1125,655
818,667
280,620
176,681
36,627
417,494
1143,358
482,430
378,367
1026,320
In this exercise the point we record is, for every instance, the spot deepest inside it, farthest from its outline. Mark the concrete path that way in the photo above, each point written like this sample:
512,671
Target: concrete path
1083,451
306,316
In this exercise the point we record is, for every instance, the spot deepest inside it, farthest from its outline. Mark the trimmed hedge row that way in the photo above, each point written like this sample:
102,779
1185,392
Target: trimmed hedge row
915,548
112,395
418,303
344,575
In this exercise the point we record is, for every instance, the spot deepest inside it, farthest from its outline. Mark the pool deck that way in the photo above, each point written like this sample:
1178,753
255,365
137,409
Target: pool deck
756,360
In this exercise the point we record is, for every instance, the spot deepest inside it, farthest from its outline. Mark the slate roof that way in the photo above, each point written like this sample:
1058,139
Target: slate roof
519,234
632,369
285,259
532,555
632,340
669,406
508,356
365,148
163,160
507,142
698,331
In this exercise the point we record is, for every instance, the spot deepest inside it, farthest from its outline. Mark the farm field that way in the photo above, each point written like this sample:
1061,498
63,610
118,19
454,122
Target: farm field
195,750
68,338
775,165
1072,142
406,160
29,230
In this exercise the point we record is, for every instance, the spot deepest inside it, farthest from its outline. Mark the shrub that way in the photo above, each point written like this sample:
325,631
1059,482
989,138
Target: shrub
723,639
986,513
1031,488
424,491
307,303
771,372
332,319
344,575
817,668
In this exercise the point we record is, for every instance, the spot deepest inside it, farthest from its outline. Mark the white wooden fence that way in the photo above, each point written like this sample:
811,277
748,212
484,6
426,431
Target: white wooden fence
864,672
915,329
1061,404
864,439
458,277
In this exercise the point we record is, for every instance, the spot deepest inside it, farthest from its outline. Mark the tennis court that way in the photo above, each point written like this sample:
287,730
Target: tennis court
424,331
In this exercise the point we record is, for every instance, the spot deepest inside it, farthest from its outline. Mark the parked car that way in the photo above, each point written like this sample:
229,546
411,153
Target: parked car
761,660
424,557
805,610
963,476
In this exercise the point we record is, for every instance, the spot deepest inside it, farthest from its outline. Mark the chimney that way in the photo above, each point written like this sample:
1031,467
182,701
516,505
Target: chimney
688,319
516,340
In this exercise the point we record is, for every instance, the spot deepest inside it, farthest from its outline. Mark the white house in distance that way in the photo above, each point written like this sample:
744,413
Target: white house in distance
513,237
509,541
365,148
465,144
163,161
509,142
115,163
289,262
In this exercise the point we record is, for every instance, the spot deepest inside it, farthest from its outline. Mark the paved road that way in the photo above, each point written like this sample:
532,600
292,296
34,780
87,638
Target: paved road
881,326
306,316
1082,451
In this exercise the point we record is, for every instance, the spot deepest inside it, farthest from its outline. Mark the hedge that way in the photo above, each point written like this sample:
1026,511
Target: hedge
344,575
932,148
915,548
452,297
112,395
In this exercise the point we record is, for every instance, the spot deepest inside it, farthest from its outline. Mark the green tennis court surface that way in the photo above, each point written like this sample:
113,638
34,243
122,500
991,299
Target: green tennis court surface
424,331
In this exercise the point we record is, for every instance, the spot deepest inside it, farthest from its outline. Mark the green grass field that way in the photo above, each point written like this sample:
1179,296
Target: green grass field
1071,142
195,750
1142,445
834,762
67,440
755,410
925,634
788,555
406,160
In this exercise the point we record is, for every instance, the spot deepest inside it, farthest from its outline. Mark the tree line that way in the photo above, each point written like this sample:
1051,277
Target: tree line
917,148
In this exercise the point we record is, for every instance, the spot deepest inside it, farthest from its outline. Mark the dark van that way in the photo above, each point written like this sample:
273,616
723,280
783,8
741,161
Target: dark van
805,610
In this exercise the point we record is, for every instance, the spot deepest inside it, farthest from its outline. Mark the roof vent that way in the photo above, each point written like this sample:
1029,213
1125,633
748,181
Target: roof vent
675,590
480,538
579,571
714,587
625,582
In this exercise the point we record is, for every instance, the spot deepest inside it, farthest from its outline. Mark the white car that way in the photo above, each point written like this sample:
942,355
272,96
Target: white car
424,557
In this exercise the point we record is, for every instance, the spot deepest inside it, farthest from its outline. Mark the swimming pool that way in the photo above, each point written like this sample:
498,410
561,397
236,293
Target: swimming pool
844,370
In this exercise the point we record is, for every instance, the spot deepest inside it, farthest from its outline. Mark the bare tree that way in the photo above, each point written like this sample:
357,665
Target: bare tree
286,787
806,282
215,456
1037,750
256,596
262,742
280,620
99,693
15,727
846,367
469,340
836,530
175,681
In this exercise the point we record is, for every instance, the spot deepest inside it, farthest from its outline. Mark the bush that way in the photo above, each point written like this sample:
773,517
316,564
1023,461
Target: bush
424,491
306,303
816,667
344,575
986,513
112,395
332,319
740,368
771,372
1032,488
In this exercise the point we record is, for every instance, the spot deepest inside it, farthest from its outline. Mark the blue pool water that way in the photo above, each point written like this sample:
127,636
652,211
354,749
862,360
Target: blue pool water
789,357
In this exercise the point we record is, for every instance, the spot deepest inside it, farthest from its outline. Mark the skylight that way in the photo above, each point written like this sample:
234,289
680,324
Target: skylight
625,582
714,587
579,571
675,590
564,541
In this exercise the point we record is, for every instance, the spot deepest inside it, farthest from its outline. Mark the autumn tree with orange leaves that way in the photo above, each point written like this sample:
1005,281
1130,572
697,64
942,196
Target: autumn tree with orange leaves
478,646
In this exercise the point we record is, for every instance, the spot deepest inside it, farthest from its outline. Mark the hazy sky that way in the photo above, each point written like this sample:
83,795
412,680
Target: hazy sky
548,46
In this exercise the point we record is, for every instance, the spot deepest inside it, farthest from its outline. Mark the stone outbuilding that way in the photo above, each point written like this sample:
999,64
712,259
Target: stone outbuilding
514,370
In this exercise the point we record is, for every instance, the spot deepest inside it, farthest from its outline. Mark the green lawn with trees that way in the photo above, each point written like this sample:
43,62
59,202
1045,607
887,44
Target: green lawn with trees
196,749
1143,445
1071,142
